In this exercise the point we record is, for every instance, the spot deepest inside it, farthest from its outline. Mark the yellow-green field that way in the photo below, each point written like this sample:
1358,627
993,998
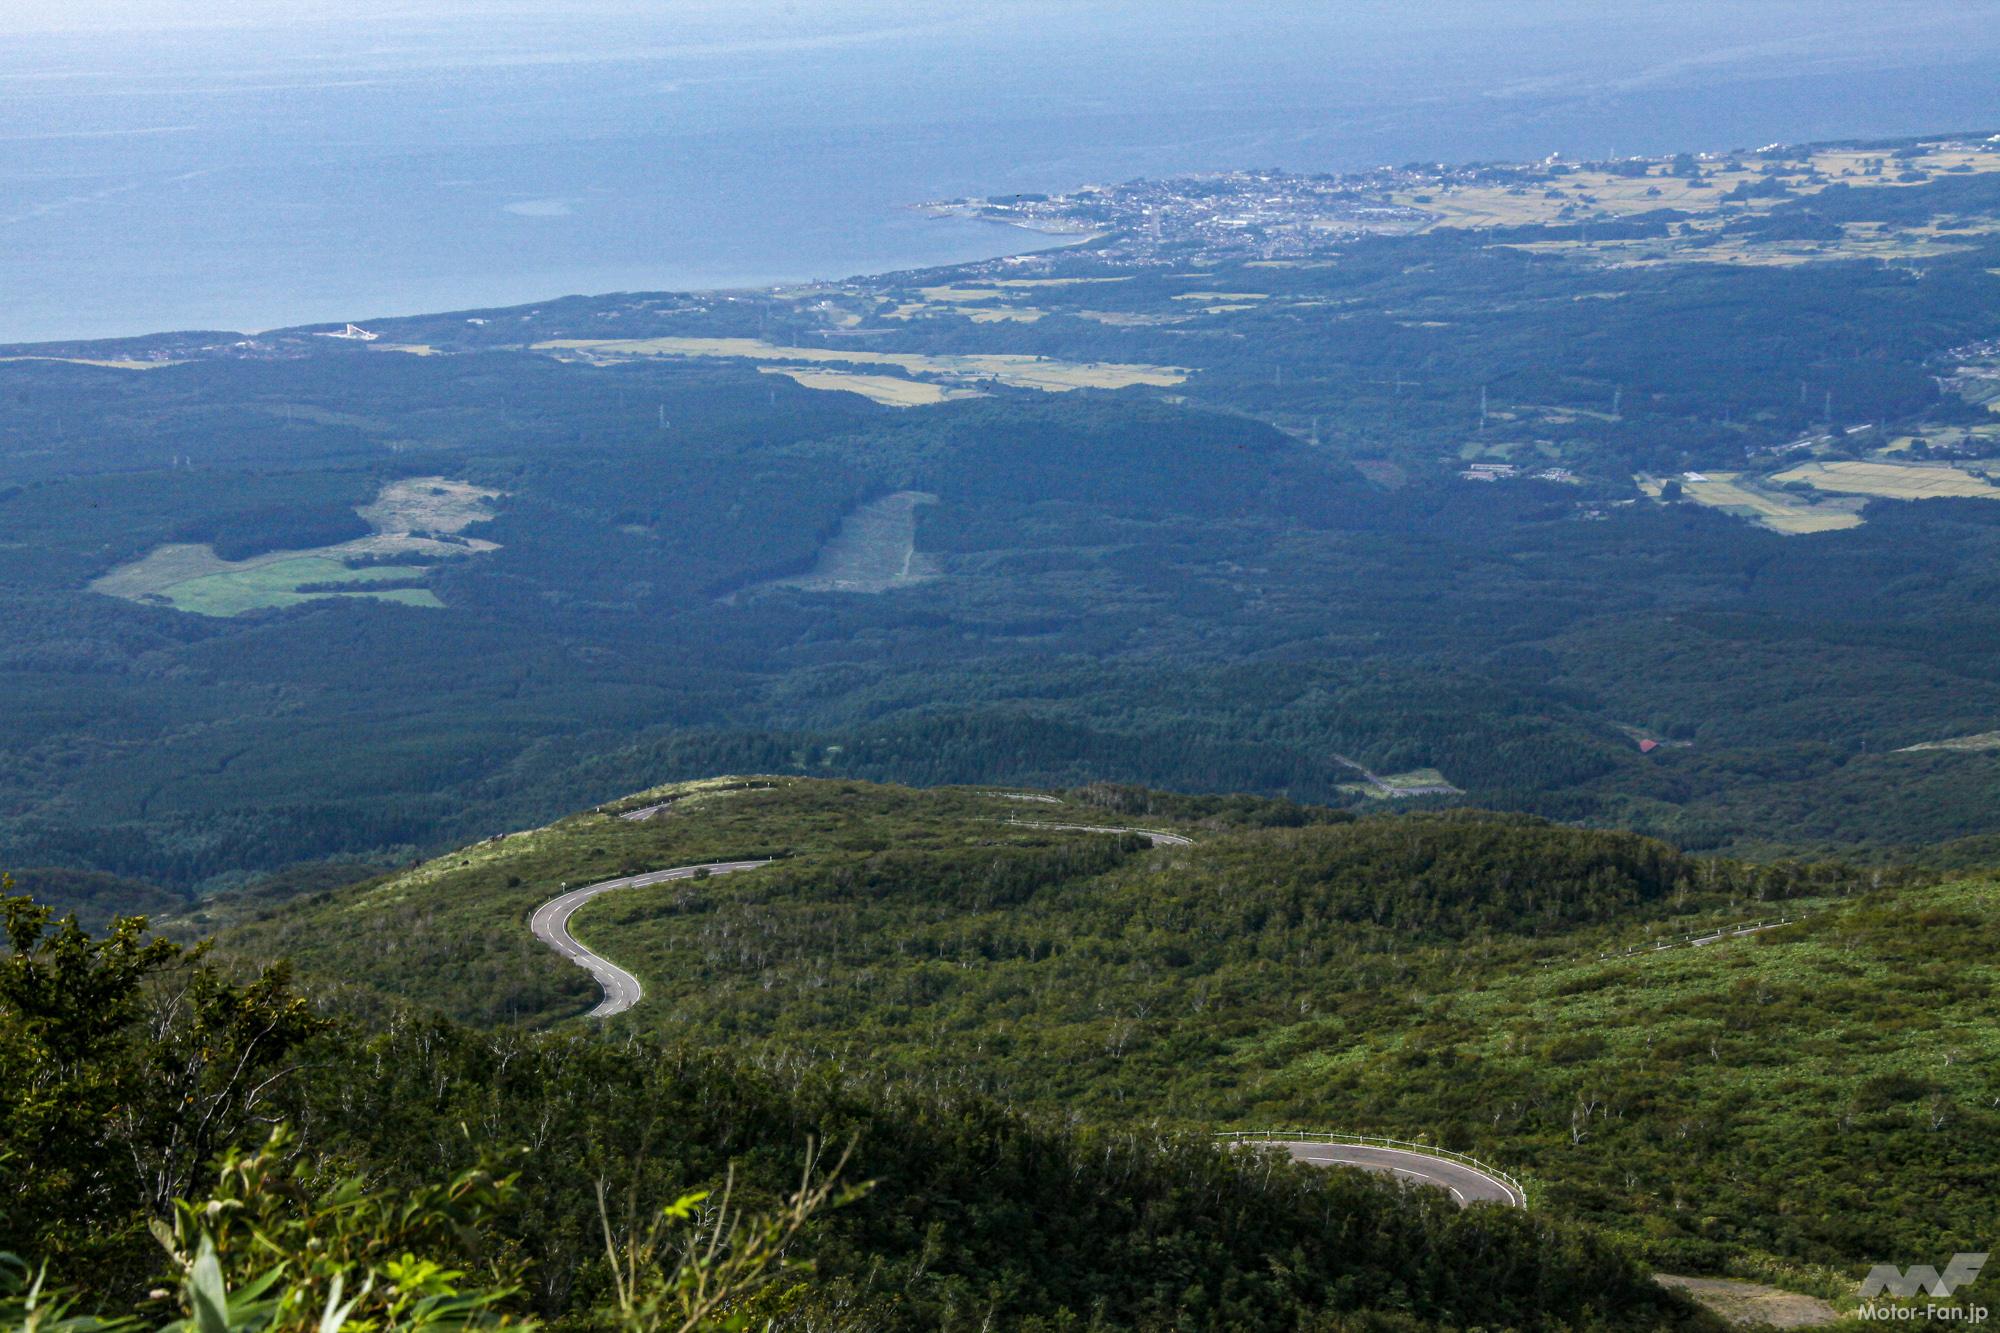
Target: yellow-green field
1478,206
950,294
1892,481
978,314
1790,514
983,301
1858,240
1128,318
1051,282
89,361
1985,438
1029,372
888,390
404,515
276,582
194,578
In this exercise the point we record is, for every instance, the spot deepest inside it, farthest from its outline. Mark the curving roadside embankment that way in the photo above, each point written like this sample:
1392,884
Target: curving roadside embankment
551,926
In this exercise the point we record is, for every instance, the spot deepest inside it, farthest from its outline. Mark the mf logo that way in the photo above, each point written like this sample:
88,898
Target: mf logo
1922,1278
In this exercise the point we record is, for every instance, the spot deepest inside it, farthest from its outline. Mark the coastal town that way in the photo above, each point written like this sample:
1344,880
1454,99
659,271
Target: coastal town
1280,216
1238,214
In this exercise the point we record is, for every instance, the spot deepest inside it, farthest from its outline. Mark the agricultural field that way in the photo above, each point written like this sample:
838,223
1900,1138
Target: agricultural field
1891,481
1602,192
1976,441
889,390
1053,282
977,313
1127,319
1792,515
1021,371
408,516
1704,242
259,583
1222,303
102,364
959,295
987,301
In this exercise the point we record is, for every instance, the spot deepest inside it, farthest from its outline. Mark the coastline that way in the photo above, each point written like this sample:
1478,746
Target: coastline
509,289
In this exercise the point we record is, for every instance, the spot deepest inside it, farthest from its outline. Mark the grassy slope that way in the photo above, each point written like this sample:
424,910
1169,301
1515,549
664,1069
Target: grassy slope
1820,1095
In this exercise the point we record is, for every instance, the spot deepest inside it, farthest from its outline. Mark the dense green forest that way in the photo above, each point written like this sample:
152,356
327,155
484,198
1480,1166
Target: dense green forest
1459,977
428,1175
1263,578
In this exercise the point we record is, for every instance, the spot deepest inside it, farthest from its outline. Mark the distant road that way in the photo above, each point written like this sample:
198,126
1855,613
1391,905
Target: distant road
1465,1183
1154,836
551,926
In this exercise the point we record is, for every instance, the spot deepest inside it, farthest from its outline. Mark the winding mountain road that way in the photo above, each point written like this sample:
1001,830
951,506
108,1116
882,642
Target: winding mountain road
1154,836
1465,1181
551,926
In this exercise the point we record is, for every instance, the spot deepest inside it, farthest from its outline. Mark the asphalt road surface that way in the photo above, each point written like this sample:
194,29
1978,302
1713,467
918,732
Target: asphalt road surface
1466,1184
1153,836
551,926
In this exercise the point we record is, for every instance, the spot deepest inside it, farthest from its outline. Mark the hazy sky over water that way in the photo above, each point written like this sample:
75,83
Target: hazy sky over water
287,159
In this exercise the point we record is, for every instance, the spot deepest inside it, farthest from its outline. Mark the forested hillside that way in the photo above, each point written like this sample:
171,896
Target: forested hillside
466,1179
1675,519
1461,978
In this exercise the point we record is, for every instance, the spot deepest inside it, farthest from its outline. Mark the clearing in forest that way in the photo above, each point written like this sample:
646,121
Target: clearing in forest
874,551
1396,786
1754,1304
414,517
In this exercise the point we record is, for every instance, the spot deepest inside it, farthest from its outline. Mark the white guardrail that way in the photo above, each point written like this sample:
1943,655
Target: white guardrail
1693,938
1374,1141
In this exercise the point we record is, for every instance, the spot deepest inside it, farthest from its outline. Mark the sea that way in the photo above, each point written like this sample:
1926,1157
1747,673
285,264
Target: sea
249,164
